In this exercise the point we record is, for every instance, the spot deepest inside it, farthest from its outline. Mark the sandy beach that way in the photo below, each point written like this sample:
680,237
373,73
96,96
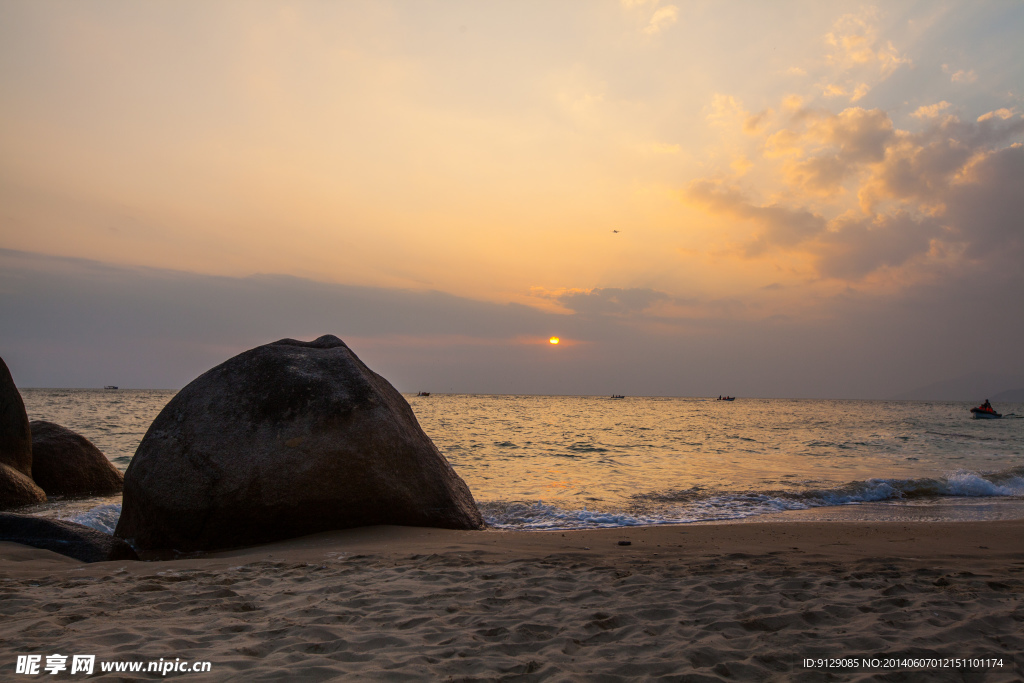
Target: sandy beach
690,603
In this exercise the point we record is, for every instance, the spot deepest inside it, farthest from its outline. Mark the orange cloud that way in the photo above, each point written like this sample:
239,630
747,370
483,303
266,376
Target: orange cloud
779,226
612,300
1003,114
913,190
960,75
930,111
755,123
920,167
822,150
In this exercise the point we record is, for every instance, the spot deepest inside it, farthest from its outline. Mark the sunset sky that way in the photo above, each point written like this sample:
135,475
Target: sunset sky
771,199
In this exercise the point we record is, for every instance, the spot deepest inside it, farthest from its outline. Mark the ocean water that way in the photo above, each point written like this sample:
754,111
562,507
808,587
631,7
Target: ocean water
555,462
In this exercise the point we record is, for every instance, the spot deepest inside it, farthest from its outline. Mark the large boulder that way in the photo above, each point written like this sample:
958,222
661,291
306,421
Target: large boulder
17,490
15,438
284,440
67,538
65,463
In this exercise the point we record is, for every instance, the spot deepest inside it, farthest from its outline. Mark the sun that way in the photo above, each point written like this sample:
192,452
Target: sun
553,340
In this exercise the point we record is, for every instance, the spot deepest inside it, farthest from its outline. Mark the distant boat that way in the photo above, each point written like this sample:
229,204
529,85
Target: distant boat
985,412
726,398
617,396
110,386
423,393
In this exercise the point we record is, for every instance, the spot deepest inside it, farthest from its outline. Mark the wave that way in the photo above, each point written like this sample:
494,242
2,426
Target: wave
702,505
103,518
581,447
960,483
540,515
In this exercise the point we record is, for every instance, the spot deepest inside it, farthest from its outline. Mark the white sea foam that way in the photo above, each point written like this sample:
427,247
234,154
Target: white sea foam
703,506
970,484
688,506
103,518
540,516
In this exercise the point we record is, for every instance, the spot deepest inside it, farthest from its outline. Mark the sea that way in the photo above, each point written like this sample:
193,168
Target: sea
567,462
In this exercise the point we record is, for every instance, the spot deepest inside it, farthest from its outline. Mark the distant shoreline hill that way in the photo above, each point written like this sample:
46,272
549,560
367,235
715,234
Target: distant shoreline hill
1011,396
970,388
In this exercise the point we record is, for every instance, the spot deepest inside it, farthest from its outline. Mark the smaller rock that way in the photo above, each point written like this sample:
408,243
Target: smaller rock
65,463
15,441
17,490
67,538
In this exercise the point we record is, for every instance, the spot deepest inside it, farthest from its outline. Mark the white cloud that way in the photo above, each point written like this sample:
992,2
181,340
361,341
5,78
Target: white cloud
662,18
855,43
726,111
858,56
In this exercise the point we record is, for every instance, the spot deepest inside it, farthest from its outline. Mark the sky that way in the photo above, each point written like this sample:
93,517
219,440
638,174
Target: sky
791,199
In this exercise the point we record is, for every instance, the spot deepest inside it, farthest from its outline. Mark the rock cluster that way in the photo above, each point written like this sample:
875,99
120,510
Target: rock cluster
287,439
41,459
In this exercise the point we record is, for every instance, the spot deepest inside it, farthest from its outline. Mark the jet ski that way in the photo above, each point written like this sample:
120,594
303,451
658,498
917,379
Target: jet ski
985,412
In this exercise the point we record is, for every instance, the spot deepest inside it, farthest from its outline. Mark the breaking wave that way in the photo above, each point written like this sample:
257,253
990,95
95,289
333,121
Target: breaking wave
103,518
702,505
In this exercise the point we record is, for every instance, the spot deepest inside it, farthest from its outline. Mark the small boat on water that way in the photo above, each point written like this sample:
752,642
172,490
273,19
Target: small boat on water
726,398
423,393
617,396
110,386
985,412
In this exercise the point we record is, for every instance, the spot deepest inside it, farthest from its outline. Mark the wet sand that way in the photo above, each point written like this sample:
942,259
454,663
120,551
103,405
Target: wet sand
711,602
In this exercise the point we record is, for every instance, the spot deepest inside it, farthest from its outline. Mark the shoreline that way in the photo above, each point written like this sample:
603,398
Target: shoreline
946,509
763,534
724,601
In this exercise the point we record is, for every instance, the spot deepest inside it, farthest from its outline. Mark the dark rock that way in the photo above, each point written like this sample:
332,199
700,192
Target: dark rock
284,440
17,490
67,538
15,439
67,464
